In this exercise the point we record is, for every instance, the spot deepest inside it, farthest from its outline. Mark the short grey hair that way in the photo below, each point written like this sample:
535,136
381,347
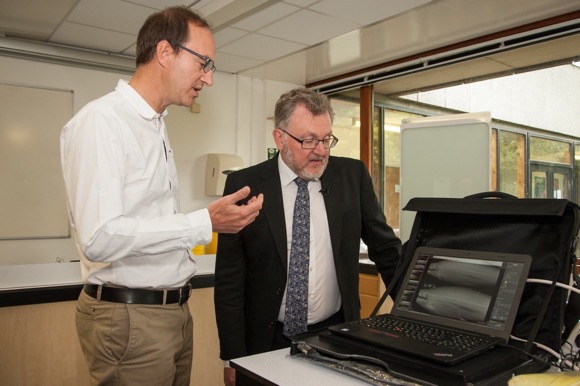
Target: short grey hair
314,102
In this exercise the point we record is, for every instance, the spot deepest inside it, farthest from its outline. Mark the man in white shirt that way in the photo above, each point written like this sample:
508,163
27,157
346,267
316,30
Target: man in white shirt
133,322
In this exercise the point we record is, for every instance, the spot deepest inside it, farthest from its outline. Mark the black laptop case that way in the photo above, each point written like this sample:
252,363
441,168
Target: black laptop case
545,229
386,367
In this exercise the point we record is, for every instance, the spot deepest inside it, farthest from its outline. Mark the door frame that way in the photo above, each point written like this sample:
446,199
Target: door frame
550,170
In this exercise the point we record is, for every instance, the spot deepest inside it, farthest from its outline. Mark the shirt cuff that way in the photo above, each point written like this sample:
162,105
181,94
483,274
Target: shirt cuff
201,223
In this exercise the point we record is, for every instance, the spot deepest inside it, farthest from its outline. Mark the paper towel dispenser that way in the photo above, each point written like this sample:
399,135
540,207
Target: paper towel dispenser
217,167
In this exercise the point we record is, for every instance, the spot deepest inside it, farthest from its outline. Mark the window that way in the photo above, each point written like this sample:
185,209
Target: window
548,150
551,167
392,162
346,128
511,163
576,197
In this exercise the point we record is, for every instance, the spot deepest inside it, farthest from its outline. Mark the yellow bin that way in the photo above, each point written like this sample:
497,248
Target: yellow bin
211,248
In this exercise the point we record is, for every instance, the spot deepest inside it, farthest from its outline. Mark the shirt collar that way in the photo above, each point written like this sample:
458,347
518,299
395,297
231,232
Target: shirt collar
137,101
287,176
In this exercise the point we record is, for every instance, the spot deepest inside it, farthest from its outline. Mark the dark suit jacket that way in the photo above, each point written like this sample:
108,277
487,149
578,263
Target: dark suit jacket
250,273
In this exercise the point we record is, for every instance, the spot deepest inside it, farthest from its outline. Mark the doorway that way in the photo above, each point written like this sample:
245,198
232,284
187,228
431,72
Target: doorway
549,181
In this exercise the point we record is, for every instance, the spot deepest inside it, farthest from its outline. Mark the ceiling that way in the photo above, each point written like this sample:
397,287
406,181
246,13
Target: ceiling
299,41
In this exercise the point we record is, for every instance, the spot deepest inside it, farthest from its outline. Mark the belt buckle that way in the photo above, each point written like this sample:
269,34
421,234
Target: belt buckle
184,293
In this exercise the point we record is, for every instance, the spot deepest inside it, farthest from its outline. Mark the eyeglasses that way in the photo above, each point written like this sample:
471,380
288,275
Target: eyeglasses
208,64
328,142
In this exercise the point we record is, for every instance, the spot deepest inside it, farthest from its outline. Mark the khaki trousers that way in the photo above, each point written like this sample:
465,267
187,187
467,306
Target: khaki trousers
134,344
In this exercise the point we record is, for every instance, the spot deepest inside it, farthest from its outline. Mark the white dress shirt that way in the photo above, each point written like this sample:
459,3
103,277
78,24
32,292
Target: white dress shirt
123,196
323,293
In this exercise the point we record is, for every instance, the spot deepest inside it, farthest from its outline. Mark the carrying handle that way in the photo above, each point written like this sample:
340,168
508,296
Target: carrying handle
491,195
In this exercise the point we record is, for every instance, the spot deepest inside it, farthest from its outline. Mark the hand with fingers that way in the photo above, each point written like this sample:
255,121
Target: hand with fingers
228,217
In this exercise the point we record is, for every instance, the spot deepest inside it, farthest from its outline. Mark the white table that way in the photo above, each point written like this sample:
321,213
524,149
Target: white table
279,368
22,284
24,276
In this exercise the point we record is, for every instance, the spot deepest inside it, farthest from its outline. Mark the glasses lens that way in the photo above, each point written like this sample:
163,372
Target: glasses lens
327,143
309,143
333,142
208,66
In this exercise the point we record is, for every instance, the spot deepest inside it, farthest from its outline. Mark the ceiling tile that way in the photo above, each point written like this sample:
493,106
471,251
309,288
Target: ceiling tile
156,4
266,16
234,63
32,18
291,69
332,29
365,12
114,15
95,38
261,47
207,7
227,35
131,51
301,3
313,28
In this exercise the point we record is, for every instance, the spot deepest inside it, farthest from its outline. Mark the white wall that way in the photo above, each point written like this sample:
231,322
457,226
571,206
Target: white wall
233,119
547,99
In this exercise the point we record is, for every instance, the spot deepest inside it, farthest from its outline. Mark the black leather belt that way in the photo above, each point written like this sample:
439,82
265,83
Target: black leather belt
138,296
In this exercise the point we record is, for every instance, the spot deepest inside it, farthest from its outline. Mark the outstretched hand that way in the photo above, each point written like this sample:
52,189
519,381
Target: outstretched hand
227,217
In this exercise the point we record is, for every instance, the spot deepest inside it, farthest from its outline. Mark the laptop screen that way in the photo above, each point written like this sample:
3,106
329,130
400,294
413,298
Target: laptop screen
471,290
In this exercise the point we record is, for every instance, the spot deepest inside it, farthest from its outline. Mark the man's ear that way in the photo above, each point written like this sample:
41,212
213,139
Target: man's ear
164,52
277,134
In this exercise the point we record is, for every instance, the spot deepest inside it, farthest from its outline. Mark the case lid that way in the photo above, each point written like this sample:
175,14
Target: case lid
490,206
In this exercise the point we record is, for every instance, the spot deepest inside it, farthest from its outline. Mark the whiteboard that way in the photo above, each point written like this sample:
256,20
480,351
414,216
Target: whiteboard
32,195
443,156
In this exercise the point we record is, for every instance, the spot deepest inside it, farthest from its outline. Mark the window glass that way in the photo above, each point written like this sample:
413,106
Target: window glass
377,161
548,150
392,162
346,128
539,184
576,199
560,188
493,153
512,161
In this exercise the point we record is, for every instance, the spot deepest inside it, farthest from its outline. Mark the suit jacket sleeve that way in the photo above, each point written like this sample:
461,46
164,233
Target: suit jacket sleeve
384,247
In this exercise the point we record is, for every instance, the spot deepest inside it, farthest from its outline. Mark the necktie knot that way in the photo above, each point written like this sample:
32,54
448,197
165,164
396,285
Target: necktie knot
300,182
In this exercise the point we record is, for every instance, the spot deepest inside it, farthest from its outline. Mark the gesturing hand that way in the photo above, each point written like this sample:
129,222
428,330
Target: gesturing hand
227,217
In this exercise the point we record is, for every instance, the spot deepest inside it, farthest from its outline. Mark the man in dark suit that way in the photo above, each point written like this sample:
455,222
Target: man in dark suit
252,266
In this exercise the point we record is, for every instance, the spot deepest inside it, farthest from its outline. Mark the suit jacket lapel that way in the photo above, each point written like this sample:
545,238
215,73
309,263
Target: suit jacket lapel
273,207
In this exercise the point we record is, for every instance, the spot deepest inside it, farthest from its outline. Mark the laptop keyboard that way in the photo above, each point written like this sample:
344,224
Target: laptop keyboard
428,334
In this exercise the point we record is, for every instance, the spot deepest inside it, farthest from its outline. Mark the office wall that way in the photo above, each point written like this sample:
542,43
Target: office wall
233,119
33,204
